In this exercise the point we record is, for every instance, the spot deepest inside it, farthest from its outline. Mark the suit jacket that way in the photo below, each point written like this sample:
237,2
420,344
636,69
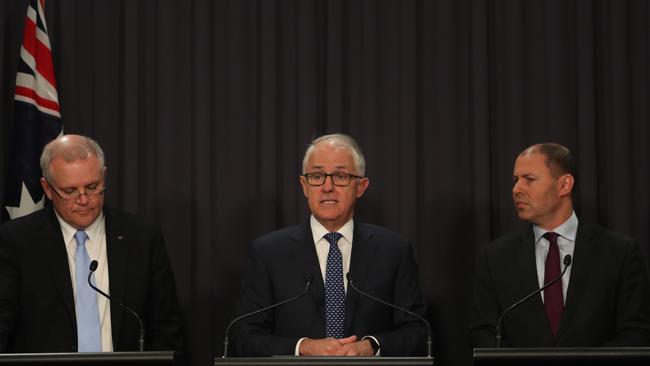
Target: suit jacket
280,263
606,302
37,311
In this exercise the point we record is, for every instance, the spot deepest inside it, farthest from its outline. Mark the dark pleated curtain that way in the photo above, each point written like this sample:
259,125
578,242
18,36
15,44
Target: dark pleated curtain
204,109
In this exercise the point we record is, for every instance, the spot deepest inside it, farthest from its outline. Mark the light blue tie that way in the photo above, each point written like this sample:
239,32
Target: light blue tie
334,289
88,329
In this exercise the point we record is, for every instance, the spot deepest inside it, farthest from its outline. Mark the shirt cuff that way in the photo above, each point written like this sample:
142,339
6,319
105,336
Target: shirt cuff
297,350
376,342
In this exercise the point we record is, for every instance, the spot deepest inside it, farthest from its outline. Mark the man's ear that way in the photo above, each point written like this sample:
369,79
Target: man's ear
362,186
566,184
46,188
304,184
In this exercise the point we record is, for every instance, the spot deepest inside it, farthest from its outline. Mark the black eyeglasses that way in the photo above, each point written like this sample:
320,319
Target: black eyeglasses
340,179
91,191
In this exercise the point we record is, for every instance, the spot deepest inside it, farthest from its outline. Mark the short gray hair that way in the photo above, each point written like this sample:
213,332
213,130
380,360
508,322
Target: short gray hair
340,140
70,148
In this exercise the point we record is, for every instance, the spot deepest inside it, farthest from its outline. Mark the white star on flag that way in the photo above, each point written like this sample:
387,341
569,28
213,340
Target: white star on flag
27,204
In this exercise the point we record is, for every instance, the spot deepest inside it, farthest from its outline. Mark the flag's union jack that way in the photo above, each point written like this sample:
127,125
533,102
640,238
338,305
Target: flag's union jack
37,117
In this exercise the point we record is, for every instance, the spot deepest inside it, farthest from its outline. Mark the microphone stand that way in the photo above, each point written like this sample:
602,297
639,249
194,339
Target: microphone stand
351,284
225,339
567,263
93,267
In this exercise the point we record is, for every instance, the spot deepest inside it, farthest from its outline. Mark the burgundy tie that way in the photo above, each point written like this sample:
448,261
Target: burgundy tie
553,303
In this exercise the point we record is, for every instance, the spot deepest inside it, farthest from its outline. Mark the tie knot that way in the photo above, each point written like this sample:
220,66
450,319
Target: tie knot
333,238
551,237
80,236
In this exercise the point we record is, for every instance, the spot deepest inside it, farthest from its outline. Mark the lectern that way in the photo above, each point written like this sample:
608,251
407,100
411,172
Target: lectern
90,359
601,356
323,361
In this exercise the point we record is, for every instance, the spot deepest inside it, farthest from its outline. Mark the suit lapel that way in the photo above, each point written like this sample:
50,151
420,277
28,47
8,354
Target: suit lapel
580,271
307,259
54,249
363,252
528,266
117,252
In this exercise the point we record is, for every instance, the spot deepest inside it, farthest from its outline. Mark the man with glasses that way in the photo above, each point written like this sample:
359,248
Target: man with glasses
331,318
46,302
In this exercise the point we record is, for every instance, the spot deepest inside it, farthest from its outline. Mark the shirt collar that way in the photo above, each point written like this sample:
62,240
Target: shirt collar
318,230
568,229
92,231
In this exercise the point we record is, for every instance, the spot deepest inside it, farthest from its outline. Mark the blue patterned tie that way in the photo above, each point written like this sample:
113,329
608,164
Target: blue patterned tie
334,290
88,329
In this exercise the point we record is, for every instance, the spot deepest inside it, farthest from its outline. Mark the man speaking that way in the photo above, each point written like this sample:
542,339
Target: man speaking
331,318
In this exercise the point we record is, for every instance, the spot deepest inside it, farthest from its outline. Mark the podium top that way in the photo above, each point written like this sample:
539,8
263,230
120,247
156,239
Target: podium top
90,358
596,356
323,361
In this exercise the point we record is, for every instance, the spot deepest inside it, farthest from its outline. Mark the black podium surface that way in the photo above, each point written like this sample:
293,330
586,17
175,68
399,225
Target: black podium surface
600,356
90,359
323,361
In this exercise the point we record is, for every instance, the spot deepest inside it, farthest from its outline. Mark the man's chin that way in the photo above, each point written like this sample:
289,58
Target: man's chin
523,215
83,220
85,215
328,211
327,218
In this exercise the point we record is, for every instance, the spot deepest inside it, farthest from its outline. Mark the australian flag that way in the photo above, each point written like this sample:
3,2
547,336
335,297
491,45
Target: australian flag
37,117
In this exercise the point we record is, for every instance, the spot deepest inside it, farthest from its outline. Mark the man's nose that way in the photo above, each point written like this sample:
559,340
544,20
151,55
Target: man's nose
516,188
328,185
83,199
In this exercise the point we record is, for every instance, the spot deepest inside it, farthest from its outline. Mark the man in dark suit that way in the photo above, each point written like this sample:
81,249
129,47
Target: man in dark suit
601,300
331,319
46,304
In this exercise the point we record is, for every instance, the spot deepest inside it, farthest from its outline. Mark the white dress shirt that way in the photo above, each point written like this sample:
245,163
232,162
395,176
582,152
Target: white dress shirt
566,242
96,247
323,246
322,251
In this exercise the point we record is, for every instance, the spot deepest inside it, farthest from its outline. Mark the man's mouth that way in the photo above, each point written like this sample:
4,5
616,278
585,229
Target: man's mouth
328,202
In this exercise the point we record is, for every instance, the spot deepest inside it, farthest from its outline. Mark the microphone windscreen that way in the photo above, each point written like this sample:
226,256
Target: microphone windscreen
567,259
93,265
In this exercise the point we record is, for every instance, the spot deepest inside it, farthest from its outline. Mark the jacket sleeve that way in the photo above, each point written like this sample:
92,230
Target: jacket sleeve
9,290
633,302
254,336
407,335
485,310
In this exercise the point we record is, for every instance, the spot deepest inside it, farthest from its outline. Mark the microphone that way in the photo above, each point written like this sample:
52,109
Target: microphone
352,286
93,268
567,263
237,319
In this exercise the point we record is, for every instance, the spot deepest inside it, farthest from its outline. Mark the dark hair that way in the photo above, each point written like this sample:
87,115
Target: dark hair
558,158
